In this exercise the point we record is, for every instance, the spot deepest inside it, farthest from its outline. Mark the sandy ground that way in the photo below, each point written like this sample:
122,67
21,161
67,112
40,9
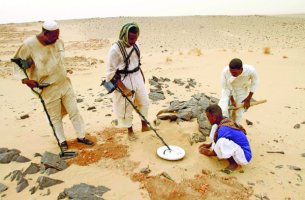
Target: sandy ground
173,47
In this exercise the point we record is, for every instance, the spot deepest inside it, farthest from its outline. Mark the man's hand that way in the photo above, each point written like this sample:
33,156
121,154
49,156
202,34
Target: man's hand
247,100
30,83
233,102
206,151
205,146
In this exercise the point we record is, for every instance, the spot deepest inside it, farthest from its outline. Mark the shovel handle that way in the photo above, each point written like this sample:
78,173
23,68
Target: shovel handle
251,104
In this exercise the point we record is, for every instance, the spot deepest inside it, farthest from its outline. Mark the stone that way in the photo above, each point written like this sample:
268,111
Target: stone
16,174
7,157
294,167
155,96
22,159
198,137
297,126
54,161
50,171
44,182
83,191
24,116
3,150
23,183
3,187
32,169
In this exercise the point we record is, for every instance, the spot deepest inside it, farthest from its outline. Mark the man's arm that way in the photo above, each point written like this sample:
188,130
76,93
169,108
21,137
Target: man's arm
253,86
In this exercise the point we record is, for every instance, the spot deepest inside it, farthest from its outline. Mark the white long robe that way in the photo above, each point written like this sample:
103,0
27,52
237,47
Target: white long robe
133,81
59,97
239,87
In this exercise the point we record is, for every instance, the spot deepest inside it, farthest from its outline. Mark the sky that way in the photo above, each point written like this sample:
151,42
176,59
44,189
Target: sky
40,10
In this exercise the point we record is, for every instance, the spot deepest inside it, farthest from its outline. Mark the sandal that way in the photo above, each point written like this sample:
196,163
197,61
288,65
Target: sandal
227,171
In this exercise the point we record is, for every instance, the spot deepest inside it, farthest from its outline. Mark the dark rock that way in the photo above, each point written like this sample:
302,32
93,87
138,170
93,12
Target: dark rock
249,123
108,115
169,92
16,174
32,169
83,191
198,137
279,166
44,182
7,156
156,96
33,189
50,171
37,155
91,108
303,154
99,99
297,126
185,115
22,159
79,100
54,161
3,187
23,183
3,150
145,170
24,116
166,117
294,167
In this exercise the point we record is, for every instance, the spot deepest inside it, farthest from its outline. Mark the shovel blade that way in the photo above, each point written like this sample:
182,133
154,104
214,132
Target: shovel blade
68,154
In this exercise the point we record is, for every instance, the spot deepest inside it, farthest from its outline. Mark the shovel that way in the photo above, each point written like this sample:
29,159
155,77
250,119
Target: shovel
23,65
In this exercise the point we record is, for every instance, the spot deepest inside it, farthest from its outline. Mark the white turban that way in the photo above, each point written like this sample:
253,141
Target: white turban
50,25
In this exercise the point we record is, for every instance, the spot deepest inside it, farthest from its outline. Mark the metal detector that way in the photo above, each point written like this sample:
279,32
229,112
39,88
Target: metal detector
23,65
167,152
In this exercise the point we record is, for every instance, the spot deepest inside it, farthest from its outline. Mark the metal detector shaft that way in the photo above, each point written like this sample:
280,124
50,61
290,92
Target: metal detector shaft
144,119
43,104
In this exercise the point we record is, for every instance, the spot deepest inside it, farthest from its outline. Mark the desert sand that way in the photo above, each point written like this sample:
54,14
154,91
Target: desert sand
195,47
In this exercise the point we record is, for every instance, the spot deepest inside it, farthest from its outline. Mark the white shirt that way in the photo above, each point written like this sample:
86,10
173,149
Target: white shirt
247,80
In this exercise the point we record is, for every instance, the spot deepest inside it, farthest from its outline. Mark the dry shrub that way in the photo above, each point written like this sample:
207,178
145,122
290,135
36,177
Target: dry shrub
169,60
196,52
266,50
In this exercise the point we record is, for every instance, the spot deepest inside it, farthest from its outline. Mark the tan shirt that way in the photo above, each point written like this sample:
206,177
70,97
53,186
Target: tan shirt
48,66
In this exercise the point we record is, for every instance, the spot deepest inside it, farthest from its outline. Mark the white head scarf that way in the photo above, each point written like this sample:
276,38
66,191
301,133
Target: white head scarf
50,25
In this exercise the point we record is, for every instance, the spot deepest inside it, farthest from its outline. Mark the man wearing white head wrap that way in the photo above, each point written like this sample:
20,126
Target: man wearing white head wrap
50,25
46,51
129,76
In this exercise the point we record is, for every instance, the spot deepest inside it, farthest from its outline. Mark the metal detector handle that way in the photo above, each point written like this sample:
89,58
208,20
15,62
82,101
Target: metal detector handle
136,109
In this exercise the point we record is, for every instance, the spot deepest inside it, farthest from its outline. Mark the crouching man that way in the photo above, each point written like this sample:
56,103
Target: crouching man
230,141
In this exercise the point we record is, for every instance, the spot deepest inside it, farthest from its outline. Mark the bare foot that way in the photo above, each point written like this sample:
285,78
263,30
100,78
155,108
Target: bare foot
132,136
231,167
144,129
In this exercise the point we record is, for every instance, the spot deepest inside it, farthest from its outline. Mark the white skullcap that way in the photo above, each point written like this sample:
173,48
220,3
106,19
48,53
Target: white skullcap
50,25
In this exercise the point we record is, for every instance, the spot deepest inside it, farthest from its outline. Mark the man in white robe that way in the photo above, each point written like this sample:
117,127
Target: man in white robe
123,64
239,82
46,52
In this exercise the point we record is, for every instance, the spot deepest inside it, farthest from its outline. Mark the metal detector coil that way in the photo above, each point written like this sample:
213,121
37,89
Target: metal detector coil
174,153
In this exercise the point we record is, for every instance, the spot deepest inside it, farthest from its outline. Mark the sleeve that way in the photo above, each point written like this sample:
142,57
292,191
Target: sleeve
112,64
224,84
254,80
225,148
23,53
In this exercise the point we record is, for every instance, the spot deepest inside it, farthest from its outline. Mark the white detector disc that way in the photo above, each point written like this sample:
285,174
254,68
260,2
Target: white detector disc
176,153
